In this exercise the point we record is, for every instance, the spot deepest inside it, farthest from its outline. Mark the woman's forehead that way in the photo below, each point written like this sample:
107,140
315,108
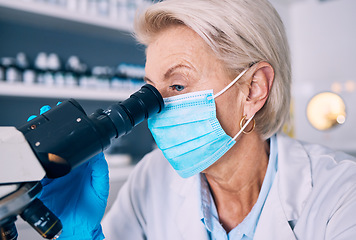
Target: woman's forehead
178,45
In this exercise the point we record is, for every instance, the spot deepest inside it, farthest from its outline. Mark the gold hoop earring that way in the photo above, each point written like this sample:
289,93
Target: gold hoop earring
243,121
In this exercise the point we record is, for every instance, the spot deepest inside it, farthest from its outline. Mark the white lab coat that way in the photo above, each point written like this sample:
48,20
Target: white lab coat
313,196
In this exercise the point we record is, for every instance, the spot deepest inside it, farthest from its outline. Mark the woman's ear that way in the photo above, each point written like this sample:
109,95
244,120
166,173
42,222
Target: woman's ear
259,88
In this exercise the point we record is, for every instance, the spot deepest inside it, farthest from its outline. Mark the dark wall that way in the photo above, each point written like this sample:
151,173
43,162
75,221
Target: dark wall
92,48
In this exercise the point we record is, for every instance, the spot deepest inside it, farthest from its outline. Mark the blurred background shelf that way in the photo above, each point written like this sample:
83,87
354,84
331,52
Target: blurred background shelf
59,92
61,18
36,26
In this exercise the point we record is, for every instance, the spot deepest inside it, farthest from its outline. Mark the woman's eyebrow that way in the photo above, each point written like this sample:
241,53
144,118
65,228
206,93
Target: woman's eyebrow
175,67
169,72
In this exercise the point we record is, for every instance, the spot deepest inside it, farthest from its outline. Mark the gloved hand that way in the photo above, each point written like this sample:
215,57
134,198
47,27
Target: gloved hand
79,198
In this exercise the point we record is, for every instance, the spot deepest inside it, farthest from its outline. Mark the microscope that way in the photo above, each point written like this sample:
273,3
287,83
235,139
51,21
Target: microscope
54,143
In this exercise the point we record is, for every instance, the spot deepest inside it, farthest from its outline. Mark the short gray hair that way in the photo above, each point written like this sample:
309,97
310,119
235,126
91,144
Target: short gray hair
240,32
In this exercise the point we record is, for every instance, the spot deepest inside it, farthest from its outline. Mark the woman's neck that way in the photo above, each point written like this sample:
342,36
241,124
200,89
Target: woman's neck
236,179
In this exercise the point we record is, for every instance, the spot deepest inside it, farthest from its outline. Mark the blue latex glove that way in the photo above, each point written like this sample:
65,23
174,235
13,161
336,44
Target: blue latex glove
79,198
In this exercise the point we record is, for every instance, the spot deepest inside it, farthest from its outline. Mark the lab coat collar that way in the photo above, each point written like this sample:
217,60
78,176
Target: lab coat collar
289,192
295,169
188,215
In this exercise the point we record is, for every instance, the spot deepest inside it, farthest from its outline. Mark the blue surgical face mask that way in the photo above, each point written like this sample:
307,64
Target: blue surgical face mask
188,132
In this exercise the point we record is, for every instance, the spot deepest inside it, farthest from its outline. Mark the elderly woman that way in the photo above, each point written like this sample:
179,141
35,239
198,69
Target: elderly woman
222,170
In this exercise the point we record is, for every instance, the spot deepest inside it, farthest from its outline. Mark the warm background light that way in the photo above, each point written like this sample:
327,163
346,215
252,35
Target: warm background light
326,110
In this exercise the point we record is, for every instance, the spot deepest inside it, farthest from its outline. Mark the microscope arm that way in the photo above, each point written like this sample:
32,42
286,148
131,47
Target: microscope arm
17,160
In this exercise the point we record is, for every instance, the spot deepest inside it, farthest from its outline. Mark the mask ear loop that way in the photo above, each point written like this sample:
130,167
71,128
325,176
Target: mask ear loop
224,90
232,83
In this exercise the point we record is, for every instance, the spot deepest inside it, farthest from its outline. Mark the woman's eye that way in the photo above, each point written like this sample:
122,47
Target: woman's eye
177,87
